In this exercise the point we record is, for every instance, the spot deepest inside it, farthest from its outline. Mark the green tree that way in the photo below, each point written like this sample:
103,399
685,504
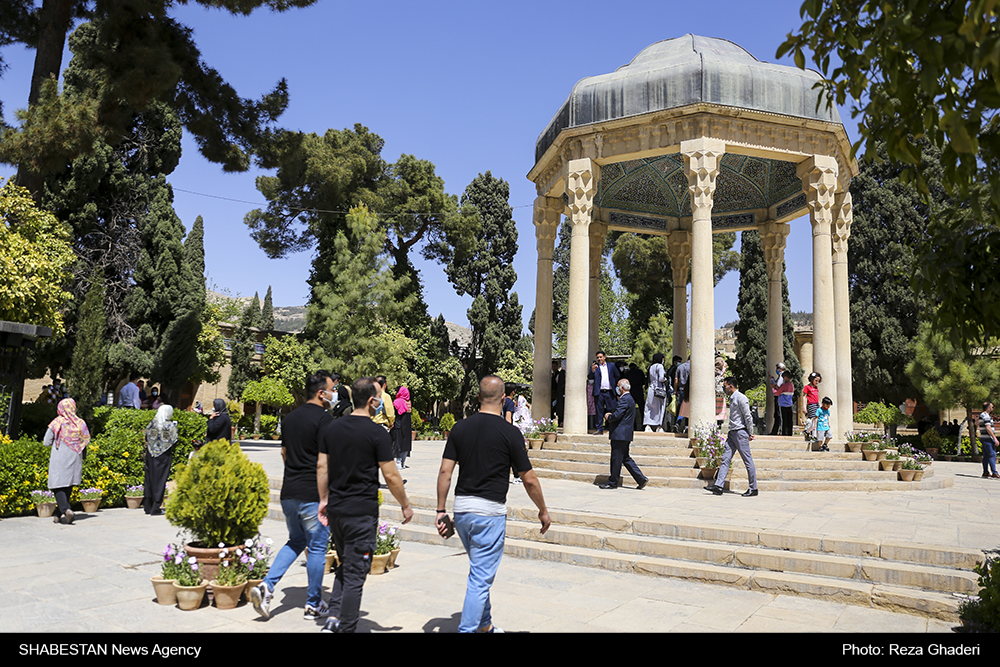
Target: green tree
890,221
86,374
35,256
287,360
483,268
267,312
657,336
915,72
347,315
615,333
750,364
141,55
242,368
947,375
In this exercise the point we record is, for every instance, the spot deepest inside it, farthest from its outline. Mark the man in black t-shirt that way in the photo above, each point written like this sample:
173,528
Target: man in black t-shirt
485,447
300,434
352,451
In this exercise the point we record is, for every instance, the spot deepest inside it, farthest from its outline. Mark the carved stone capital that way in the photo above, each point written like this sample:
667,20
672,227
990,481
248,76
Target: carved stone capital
843,209
819,181
772,241
581,187
679,250
701,161
548,211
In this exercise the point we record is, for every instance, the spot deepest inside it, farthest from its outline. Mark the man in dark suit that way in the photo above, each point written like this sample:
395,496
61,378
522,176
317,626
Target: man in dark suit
605,377
637,379
620,424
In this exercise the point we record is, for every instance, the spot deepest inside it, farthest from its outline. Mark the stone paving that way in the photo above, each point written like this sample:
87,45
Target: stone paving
94,576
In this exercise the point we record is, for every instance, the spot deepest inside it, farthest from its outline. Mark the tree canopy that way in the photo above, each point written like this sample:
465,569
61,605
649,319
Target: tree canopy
926,71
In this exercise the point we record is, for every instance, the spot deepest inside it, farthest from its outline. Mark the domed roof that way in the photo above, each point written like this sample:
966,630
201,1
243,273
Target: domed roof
689,70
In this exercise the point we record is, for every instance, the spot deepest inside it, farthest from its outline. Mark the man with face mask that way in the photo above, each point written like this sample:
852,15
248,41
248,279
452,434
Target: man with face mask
300,444
352,451
620,424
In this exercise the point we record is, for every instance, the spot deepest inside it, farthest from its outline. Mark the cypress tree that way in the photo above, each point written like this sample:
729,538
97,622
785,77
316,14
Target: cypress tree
86,374
267,312
750,365
242,351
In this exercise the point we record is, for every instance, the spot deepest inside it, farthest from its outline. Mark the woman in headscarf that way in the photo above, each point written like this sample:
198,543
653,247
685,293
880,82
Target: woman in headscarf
161,436
220,425
656,395
404,426
68,436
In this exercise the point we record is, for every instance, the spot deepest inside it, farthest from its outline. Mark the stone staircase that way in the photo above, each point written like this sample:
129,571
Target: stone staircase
783,464
895,575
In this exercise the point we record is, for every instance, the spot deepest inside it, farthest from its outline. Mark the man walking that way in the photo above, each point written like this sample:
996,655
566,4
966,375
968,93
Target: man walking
352,451
620,428
300,438
740,435
605,378
128,397
485,448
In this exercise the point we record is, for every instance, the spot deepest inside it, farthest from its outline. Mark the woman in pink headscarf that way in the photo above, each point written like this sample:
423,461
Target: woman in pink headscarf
403,441
68,436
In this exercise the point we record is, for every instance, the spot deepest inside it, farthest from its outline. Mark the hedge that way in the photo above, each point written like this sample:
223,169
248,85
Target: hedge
114,458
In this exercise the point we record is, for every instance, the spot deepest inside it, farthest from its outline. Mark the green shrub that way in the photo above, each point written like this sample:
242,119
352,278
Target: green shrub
112,461
447,422
931,438
221,496
983,615
35,418
268,424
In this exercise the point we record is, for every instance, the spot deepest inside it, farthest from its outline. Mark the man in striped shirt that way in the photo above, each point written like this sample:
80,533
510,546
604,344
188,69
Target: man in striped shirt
740,435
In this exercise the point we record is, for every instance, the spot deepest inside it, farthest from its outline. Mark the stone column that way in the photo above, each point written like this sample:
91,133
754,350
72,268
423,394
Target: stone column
804,351
772,242
819,180
547,213
598,233
844,406
581,186
701,162
679,249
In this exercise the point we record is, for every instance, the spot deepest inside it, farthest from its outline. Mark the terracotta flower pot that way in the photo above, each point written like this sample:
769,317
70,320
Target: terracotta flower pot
918,475
90,506
533,443
709,473
550,437
45,509
133,502
907,475
331,563
886,464
379,562
853,447
227,597
392,558
208,558
190,597
164,589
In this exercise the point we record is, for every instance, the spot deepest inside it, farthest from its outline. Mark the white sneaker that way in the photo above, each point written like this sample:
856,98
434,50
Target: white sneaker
316,613
649,430
260,598
517,480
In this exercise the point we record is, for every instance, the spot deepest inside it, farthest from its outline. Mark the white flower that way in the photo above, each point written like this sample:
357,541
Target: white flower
269,541
192,560
249,542
221,544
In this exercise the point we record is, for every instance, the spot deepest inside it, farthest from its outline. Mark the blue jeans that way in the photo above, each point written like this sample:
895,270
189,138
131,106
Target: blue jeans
989,456
304,531
483,538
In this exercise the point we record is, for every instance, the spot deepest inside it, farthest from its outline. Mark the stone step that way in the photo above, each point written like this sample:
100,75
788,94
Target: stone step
902,586
817,461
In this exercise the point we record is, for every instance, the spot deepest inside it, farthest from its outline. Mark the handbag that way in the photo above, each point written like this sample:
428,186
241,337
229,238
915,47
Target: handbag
660,392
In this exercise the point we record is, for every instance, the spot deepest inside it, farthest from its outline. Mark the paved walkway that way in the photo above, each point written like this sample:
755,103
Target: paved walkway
94,576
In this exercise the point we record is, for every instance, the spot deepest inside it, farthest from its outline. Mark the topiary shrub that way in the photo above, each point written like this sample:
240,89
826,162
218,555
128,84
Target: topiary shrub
447,422
221,496
931,439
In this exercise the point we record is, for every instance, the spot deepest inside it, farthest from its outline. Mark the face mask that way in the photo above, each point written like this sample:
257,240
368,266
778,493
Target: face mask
378,405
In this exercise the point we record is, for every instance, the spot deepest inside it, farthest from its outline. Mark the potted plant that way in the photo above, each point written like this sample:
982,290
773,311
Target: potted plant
380,559
891,461
91,499
163,583
258,559
45,502
909,469
932,443
533,435
446,424
549,428
189,587
221,498
856,439
922,457
709,447
872,451
133,496
230,579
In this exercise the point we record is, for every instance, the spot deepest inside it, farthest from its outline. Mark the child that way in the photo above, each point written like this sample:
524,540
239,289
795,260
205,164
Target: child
811,392
823,424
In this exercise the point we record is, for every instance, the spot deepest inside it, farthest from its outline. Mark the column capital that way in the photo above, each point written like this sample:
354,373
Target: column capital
772,241
843,210
701,161
819,181
679,250
548,211
581,187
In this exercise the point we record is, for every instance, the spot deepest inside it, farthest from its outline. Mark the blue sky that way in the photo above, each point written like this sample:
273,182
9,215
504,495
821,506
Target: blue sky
466,85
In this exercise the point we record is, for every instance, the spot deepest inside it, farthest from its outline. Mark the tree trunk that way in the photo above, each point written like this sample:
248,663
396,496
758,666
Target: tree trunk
973,433
53,24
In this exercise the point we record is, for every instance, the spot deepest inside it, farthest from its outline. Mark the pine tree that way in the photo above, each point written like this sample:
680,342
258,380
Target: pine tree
267,312
86,374
750,365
